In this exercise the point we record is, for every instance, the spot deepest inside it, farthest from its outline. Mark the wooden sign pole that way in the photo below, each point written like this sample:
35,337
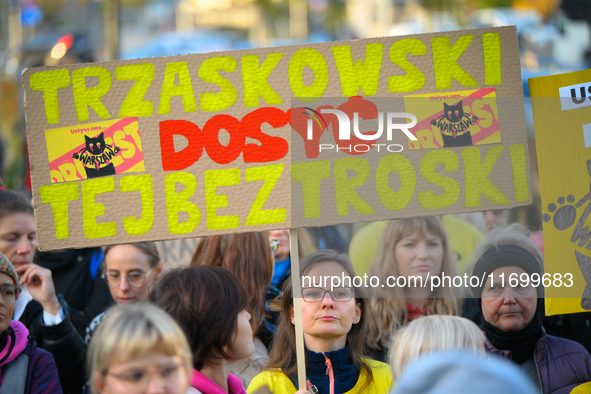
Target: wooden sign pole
297,307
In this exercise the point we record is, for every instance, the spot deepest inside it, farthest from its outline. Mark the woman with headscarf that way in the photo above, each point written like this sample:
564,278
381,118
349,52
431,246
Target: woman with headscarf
511,320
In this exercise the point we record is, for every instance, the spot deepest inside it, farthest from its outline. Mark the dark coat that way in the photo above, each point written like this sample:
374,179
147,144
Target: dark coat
62,341
77,276
562,364
42,376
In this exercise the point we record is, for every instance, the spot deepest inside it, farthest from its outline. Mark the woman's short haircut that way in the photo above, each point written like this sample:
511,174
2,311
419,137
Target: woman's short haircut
435,333
130,331
14,202
205,301
148,248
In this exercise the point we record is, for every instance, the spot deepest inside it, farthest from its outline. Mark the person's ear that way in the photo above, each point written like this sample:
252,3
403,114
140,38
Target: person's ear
158,270
99,380
291,315
357,314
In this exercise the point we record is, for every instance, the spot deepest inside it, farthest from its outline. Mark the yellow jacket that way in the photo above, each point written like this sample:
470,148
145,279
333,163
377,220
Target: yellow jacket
279,383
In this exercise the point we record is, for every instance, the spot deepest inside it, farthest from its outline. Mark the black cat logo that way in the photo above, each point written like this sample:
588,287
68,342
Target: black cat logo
454,125
96,157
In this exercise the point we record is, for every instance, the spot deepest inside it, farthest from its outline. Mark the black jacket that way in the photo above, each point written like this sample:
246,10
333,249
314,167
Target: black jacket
72,271
62,341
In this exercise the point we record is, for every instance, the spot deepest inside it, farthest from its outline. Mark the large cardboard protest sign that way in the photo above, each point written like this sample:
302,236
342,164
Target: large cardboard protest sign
196,145
562,117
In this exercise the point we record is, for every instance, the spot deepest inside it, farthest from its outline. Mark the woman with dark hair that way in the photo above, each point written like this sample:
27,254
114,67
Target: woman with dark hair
209,304
249,257
334,323
511,320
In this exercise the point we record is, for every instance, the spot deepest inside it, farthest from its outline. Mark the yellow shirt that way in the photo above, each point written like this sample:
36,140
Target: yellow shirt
584,388
279,383
463,238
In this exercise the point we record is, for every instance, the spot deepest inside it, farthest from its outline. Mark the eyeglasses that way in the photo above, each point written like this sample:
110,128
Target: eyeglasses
137,381
9,293
316,294
135,279
274,245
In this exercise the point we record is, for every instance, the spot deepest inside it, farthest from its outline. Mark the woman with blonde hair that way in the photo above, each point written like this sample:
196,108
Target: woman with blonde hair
138,348
411,252
435,333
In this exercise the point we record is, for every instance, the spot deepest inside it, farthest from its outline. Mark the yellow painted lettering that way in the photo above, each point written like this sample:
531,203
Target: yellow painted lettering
254,80
364,74
270,174
310,174
58,196
519,169
213,180
142,183
184,89
134,103
209,71
395,200
345,186
307,57
177,203
414,78
85,97
49,82
451,188
445,59
91,209
476,174
491,47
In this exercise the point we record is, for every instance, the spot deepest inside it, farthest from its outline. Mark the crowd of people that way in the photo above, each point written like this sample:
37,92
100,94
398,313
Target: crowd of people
118,320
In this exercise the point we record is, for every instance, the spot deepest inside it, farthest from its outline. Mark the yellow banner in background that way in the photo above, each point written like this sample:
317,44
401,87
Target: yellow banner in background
562,118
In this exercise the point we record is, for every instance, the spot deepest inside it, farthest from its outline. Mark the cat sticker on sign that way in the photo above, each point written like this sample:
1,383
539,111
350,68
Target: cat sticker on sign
454,119
96,156
94,150
454,125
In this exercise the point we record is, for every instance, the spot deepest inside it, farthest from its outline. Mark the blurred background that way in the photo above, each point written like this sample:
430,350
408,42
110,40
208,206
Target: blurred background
554,37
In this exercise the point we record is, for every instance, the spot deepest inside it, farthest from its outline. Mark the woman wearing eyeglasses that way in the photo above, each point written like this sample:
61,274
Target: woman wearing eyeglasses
129,270
334,323
139,349
24,368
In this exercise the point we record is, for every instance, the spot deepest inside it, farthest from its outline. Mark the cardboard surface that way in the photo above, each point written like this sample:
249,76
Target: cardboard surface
564,161
197,145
